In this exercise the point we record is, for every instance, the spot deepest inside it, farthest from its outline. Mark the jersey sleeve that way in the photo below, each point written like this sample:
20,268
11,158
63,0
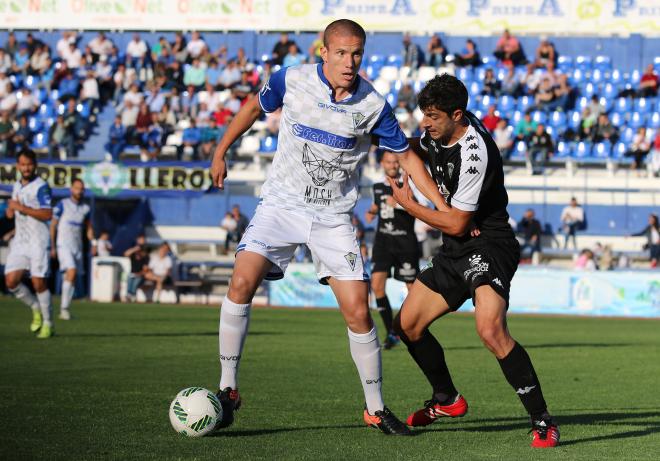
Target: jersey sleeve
470,181
423,141
87,213
58,210
386,128
271,96
44,197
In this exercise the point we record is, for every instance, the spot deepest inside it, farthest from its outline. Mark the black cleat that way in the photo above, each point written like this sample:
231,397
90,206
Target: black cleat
386,422
391,341
230,400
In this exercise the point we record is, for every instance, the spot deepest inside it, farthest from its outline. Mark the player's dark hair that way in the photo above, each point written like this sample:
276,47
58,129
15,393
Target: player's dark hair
27,153
75,180
444,92
343,27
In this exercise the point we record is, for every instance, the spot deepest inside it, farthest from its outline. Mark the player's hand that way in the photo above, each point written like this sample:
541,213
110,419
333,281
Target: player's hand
390,201
368,216
53,253
404,194
15,205
218,170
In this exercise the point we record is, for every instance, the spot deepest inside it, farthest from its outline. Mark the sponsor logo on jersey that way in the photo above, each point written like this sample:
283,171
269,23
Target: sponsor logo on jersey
498,282
358,118
473,146
472,170
407,269
477,267
323,137
470,138
321,171
261,244
350,259
474,158
339,110
450,169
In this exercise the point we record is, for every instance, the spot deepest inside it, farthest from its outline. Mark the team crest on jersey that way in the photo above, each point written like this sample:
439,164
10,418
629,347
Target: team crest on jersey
350,259
358,118
450,169
321,171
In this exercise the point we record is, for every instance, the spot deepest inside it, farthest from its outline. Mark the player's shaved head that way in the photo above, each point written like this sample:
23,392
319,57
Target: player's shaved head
343,27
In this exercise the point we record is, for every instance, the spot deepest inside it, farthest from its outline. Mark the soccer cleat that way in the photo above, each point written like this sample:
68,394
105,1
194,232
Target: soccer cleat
36,321
386,421
65,314
45,332
230,400
433,410
391,341
545,433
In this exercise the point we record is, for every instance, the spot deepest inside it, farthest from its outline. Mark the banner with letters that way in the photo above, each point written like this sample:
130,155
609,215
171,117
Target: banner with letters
533,291
120,180
453,17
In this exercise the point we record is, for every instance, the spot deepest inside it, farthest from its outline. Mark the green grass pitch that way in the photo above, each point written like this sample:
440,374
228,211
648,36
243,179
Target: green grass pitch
101,388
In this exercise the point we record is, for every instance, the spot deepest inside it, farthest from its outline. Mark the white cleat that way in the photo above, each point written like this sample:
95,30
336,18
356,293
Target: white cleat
65,315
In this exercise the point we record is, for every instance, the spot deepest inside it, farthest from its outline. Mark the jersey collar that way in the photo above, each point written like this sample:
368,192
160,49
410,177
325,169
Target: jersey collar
356,85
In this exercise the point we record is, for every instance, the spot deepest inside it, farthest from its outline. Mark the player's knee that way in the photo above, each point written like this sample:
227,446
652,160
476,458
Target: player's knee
241,289
357,319
493,336
11,282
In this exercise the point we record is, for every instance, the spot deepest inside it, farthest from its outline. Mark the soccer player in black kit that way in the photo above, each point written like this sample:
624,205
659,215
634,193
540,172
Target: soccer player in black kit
467,167
395,244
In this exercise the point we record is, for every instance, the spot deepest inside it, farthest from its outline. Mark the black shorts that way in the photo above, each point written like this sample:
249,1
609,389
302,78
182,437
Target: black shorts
456,277
398,253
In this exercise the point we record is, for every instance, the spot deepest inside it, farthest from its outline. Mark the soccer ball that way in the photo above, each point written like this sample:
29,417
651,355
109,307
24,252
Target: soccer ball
195,411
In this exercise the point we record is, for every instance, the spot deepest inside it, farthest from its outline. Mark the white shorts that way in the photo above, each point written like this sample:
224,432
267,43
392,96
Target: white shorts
70,258
275,233
28,258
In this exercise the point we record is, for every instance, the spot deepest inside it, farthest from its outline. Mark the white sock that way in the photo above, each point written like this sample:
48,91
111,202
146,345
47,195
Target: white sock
67,294
365,351
23,293
44,305
234,321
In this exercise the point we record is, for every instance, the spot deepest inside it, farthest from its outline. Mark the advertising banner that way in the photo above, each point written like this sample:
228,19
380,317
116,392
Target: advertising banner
106,179
453,17
534,290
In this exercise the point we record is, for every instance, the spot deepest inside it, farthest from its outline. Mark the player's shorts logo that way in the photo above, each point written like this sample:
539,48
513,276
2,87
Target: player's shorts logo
350,259
321,171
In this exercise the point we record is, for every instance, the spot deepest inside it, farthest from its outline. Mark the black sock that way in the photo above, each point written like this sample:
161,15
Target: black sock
385,310
430,357
519,372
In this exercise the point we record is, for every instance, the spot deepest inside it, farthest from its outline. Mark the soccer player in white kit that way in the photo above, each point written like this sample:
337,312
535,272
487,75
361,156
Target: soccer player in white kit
70,217
30,206
329,117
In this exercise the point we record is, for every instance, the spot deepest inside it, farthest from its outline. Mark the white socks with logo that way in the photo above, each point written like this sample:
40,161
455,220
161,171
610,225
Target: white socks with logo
67,294
44,305
365,351
234,321
23,293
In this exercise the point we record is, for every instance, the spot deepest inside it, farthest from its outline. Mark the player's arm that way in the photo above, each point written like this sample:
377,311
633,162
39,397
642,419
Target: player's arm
53,234
371,213
42,214
449,220
416,169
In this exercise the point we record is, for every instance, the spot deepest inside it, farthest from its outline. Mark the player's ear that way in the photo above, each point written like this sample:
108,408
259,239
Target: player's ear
457,115
324,54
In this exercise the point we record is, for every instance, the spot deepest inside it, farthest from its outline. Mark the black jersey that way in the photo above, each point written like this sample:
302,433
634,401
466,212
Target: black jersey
470,177
393,221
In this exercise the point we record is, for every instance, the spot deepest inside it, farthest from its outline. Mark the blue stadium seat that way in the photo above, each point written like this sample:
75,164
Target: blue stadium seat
486,101
61,108
653,120
84,109
634,77
16,80
597,76
565,64
619,150
54,94
479,113
603,63
606,103
657,104
622,105
473,103
602,150
627,135
564,149
588,89
618,119
392,98
582,150
500,73
418,85
581,103
39,141
480,73
34,124
636,120
577,77
371,73
506,103
395,60
583,62
516,116
609,91
31,81
539,116
489,61
554,134
377,60
465,75
525,103
519,151
474,88
46,110
643,105
557,120
268,144
574,119
616,77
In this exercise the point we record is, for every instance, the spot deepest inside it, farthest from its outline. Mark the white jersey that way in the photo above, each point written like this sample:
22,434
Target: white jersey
30,231
71,218
322,141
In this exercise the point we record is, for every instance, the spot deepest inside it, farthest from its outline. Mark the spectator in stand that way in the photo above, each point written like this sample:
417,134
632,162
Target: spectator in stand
27,103
103,246
604,130
531,231
155,98
563,94
539,148
595,107
655,155
213,73
9,102
137,53
230,75
545,54
142,123
23,136
12,44
179,50
525,127
413,56
195,75
5,62
572,219
128,119
73,57
639,148
174,76
545,97
5,84
314,51
152,140
106,84
88,59
242,60
244,87
508,49
503,137
161,51
530,81
116,139
21,61
6,134
139,267
229,225
586,261
75,122
39,60
406,97
133,95
190,140
281,48
652,234
209,137
587,126
62,46
241,224
195,46
492,86
160,269
60,137
101,45
32,43
436,50
491,119
469,56
68,86
89,92
648,84
293,57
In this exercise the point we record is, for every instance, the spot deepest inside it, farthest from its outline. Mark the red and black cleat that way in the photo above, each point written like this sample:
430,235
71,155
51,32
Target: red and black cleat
230,400
433,410
545,433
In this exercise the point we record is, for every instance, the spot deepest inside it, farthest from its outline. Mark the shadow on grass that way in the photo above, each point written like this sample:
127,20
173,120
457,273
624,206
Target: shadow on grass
551,346
279,430
160,335
565,421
